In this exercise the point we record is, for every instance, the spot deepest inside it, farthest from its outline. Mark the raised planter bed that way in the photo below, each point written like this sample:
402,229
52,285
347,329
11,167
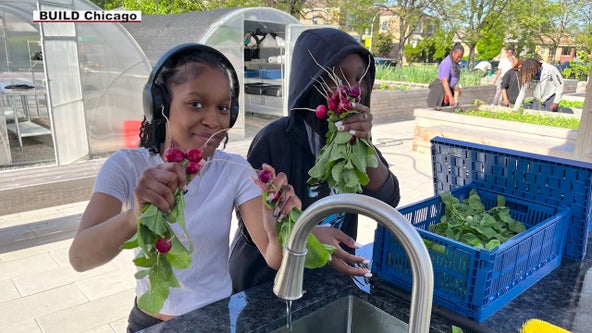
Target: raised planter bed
392,106
551,141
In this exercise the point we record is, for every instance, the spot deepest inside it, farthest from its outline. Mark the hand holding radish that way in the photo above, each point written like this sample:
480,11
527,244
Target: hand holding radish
158,185
279,198
159,203
358,124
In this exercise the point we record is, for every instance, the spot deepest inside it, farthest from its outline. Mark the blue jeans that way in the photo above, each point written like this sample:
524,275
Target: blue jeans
546,105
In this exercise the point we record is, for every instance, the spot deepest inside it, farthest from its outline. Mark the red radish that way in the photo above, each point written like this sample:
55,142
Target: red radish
276,196
354,91
163,245
332,104
344,106
174,154
194,155
321,111
352,140
264,175
192,168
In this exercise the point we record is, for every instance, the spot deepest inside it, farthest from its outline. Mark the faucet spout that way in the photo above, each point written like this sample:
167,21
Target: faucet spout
288,282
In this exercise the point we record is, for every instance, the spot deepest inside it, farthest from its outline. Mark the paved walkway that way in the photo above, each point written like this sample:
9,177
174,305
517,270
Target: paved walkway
40,292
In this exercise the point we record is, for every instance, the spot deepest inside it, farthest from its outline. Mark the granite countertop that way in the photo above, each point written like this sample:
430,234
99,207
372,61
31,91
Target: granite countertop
563,298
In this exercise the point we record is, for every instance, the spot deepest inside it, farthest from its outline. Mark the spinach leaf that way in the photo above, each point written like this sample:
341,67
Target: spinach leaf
468,222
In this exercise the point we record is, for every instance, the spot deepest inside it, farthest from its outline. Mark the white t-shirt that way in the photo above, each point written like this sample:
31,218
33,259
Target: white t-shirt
211,197
504,65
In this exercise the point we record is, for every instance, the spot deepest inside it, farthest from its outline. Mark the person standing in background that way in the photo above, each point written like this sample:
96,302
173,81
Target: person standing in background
510,84
441,90
507,63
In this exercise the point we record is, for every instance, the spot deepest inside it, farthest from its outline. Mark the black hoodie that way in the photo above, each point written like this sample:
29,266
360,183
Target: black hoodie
285,145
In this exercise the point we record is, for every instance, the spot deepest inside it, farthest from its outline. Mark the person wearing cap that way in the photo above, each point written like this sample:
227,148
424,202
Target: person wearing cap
507,63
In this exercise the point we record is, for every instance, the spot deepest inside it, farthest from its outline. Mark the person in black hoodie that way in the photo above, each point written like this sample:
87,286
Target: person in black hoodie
291,144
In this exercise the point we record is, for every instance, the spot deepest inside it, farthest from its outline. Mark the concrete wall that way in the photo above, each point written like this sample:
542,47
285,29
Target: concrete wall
391,106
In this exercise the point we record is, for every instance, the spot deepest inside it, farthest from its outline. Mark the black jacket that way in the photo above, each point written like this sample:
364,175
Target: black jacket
284,144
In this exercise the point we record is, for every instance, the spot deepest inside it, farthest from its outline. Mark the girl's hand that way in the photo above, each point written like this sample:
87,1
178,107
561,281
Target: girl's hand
157,186
341,260
359,124
287,199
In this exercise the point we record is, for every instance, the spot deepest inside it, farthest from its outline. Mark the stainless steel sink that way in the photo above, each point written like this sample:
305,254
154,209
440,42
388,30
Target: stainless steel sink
348,314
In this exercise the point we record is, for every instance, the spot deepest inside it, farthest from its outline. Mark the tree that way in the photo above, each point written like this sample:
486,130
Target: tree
433,48
472,20
490,43
357,16
151,7
409,17
557,24
383,44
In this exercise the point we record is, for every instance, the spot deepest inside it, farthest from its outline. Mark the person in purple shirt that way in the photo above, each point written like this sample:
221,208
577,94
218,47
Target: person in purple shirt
441,90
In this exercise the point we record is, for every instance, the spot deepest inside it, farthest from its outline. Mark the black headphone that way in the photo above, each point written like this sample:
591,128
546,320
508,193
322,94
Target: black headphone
155,95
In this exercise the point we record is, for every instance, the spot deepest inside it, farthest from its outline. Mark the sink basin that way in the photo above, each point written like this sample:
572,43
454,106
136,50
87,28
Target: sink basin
348,314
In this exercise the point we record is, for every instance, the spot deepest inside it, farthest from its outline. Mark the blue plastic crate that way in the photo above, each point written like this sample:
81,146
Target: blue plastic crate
477,282
270,74
545,179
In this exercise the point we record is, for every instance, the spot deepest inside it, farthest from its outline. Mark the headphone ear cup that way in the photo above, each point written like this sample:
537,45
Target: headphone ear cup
155,97
160,99
234,106
233,111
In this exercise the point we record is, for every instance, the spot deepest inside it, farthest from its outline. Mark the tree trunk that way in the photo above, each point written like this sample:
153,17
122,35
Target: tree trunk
583,149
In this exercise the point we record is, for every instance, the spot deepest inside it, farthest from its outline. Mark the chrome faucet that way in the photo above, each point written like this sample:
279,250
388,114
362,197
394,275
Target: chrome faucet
288,282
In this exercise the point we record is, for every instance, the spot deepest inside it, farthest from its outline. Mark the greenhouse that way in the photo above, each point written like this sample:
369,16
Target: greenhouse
73,91
257,40
70,91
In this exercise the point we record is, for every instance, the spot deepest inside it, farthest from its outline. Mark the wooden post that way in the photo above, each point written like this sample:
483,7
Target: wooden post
583,148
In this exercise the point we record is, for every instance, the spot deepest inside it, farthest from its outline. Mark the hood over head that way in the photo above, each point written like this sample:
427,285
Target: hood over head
328,46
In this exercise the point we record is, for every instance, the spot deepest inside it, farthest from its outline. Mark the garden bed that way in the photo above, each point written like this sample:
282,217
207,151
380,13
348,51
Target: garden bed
547,140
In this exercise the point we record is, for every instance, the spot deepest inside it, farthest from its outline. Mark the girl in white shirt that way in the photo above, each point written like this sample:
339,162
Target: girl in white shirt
190,99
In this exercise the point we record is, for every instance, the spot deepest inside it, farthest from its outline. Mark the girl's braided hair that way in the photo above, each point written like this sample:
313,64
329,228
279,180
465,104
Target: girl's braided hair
528,70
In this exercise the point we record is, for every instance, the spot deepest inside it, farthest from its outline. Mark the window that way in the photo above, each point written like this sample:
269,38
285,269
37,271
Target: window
314,19
384,26
565,51
419,28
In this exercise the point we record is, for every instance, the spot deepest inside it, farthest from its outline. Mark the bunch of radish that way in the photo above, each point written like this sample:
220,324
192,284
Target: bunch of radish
343,160
160,249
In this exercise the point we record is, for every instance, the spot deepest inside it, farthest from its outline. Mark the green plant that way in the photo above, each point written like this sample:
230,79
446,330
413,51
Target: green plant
571,104
562,122
577,69
421,73
468,222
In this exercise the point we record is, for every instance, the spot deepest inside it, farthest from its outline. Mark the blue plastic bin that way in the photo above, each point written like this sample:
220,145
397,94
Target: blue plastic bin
270,74
545,179
477,282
